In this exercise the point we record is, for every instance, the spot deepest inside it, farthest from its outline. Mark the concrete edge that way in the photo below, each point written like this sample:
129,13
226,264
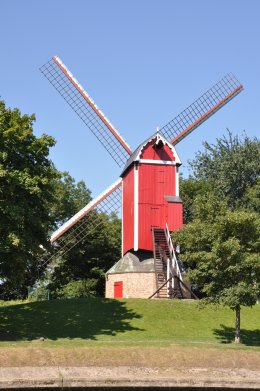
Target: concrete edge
127,377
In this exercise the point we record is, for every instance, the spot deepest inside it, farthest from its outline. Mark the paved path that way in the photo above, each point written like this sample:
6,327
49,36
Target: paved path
123,376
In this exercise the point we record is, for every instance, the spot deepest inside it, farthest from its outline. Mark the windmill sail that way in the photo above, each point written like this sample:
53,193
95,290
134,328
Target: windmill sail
85,222
200,110
107,202
84,106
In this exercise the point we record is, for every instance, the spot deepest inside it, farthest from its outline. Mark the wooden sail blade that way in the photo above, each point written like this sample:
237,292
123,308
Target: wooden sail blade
84,106
106,202
84,224
203,108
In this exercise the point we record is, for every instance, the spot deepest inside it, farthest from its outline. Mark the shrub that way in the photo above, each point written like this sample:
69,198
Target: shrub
78,288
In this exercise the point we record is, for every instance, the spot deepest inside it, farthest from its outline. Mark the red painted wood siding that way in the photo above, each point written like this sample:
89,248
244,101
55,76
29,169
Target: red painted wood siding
128,211
175,217
164,153
118,290
155,181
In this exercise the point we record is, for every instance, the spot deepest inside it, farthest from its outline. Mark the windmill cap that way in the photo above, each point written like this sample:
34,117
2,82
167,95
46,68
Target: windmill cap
136,156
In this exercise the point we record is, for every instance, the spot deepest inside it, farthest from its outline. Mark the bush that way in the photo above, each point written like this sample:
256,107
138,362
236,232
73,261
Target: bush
78,288
38,293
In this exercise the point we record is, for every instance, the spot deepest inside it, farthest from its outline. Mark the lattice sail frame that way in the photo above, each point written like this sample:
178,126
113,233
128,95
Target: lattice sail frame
84,106
202,108
85,222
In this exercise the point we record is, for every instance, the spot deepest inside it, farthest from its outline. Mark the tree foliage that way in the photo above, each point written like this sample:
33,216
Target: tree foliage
230,167
190,188
90,259
27,179
224,257
78,289
69,198
34,200
220,243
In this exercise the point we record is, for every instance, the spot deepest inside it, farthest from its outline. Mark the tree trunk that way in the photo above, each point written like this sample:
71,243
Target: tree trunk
237,332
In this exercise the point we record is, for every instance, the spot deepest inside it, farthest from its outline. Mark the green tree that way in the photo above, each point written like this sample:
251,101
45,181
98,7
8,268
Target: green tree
230,167
223,255
34,200
221,242
190,188
82,269
251,198
27,180
69,198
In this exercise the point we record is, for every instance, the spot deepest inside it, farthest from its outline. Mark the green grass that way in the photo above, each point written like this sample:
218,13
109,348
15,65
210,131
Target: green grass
84,322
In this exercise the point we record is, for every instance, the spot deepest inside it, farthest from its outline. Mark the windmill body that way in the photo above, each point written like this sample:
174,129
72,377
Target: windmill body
147,192
150,193
150,201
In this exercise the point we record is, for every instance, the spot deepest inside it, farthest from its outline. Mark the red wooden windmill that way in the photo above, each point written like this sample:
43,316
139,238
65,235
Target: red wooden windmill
149,185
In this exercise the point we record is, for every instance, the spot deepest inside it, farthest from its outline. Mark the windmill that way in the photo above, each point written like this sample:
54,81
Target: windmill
148,189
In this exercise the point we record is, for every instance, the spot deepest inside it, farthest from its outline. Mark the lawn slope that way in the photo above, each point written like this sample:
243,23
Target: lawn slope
84,322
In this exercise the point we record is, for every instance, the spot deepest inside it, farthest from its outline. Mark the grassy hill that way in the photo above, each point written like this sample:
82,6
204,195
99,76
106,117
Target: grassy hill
132,322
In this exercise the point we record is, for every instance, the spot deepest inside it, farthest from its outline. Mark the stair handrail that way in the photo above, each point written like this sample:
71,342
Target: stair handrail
175,264
166,282
154,257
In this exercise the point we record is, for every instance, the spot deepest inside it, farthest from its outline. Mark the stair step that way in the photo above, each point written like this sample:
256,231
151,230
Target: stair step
161,253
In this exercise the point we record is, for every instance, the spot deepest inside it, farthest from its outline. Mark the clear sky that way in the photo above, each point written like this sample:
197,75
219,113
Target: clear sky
142,61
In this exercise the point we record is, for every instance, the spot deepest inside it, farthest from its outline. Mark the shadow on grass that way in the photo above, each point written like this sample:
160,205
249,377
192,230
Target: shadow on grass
248,337
73,318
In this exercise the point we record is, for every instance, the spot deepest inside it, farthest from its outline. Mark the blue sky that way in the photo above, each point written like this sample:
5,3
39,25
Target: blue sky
142,61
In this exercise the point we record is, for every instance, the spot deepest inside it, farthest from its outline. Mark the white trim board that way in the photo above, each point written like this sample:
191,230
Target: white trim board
164,162
136,192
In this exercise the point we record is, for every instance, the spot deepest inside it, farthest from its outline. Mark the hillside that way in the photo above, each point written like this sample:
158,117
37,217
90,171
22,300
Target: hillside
83,322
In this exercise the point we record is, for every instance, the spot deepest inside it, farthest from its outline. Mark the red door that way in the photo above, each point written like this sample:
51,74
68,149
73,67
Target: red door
118,289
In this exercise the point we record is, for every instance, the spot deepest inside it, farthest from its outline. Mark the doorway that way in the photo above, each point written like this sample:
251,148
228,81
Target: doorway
118,289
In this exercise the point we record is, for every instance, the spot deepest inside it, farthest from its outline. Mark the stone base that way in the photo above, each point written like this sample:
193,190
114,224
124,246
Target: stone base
135,285
133,276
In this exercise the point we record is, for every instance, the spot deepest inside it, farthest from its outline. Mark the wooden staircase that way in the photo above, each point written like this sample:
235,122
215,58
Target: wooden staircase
162,257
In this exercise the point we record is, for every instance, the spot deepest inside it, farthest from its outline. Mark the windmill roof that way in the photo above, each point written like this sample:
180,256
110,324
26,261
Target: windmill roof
137,153
134,262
